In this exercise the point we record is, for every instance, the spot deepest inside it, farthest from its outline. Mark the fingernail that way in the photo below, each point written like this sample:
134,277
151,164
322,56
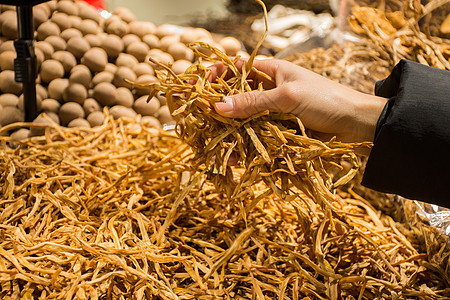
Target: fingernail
226,105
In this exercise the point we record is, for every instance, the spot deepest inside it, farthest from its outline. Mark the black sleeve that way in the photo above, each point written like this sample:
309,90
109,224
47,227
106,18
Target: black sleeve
411,152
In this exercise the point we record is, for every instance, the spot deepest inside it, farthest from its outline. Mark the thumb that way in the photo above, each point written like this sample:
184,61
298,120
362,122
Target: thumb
247,104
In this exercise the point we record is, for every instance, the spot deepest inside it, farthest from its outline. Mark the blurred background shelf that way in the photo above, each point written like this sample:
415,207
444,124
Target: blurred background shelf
178,12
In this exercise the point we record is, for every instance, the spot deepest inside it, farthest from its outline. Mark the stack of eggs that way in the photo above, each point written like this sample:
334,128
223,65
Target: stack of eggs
84,59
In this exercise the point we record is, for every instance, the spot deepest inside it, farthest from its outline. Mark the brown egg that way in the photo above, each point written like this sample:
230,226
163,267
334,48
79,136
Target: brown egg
138,50
105,93
62,20
146,108
7,60
11,115
164,30
78,46
180,51
119,28
159,56
81,76
47,29
41,91
88,26
121,74
96,118
7,46
93,40
124,97
162,98
180,66
125,14
167,41
129,39
119,111
7,13
8,84
112,68
54,117
151,40
44,7
189,35
164,116
79,123
40,57
140,28
75,92
143,69
9,100
70,33
4,8
111,19
20,134
50,105
46,48
75,21
113,45
57,42
79,68
9,24
231,45
202,33
40,15
56,88
90,105
151,121
67,6
70,111
51,69
51,5
66,58
145,79
86,11
126,60
103,76
40,120
95,59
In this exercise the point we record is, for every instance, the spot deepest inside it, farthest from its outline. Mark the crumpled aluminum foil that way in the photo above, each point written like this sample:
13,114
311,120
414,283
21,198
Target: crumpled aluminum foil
434,216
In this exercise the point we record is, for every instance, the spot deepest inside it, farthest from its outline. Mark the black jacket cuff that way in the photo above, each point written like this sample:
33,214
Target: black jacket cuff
411,152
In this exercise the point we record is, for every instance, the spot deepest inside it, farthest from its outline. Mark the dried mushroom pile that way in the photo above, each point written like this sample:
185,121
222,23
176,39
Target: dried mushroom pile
83,59
116,212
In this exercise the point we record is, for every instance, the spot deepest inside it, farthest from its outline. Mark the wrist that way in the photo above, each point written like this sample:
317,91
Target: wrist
368,109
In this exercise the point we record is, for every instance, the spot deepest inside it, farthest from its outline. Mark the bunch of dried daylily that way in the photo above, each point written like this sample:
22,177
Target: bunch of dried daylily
399,36
273,148
116,212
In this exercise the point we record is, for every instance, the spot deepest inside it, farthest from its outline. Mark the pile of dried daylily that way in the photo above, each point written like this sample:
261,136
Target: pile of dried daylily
116,212
399,34
358,65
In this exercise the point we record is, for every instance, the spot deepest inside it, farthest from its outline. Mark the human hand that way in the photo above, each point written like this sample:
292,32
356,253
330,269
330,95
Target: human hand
324,106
